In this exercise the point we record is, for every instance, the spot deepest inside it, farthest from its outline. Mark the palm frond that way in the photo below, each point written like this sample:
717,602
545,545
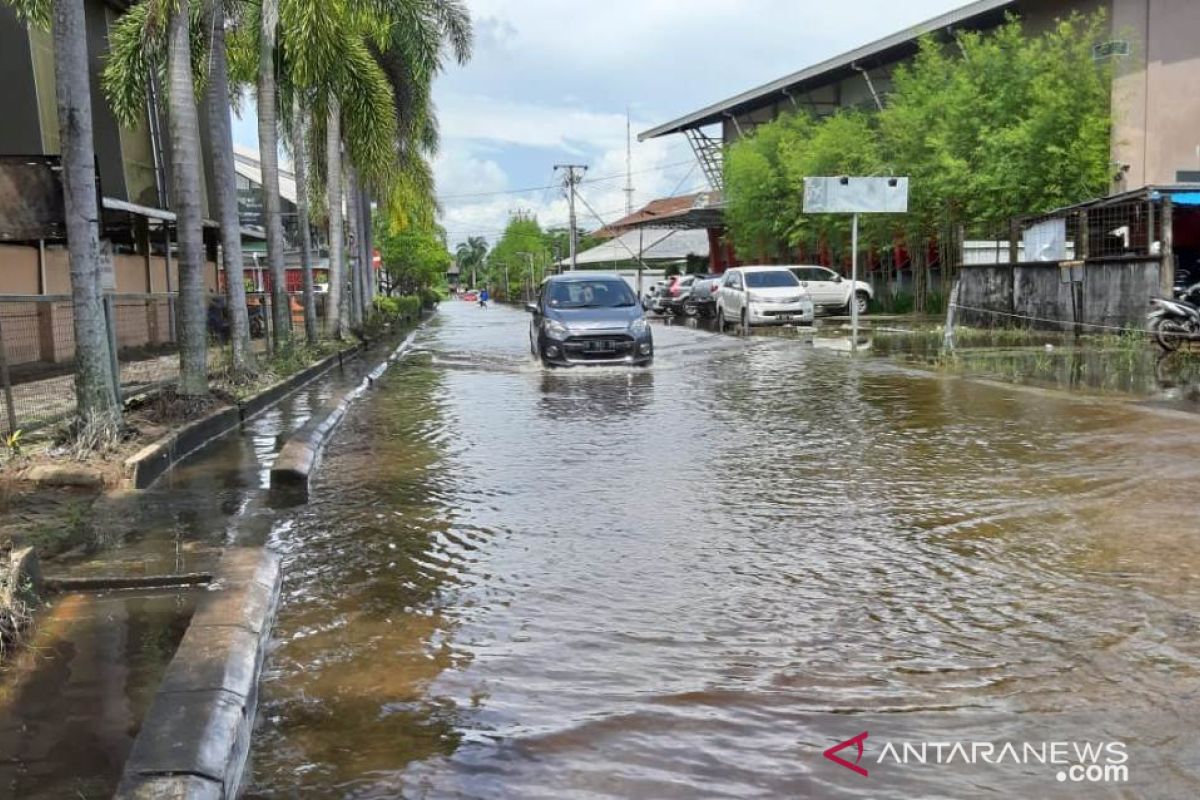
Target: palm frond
36,12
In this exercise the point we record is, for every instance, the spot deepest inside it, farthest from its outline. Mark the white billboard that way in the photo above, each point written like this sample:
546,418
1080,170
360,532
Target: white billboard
848,195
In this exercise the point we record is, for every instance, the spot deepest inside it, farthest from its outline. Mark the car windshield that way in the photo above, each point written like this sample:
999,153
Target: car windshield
591,294
770,280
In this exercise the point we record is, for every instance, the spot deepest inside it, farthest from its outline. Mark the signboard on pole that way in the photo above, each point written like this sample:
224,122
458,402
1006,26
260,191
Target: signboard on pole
847,195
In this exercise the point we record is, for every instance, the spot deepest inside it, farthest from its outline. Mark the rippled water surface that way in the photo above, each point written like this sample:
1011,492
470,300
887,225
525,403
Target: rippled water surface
688,581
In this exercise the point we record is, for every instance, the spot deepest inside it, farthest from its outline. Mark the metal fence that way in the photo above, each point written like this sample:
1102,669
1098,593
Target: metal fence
37,348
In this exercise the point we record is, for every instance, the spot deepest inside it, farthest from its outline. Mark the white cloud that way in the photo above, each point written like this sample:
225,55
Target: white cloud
659,167
458,171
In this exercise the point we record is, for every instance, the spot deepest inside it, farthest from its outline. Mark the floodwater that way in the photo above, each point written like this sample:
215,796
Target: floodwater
690,580
72,700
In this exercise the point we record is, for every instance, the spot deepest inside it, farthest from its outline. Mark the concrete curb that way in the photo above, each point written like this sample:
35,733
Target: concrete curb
301,451
153,461
195,738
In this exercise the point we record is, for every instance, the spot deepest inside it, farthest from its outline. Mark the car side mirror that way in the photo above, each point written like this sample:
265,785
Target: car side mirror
531,308
838,279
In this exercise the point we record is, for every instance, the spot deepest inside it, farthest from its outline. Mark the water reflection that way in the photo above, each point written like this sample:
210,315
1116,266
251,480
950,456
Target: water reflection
368,563
72,699
1129,366
586,395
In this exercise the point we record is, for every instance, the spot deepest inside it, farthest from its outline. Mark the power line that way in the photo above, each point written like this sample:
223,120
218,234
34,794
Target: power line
462,233
458,233
531,189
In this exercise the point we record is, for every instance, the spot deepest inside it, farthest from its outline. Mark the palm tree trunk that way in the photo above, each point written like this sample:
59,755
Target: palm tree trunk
369,251
300,154
184,129
94,382
335,315
268,153
355,247
221,132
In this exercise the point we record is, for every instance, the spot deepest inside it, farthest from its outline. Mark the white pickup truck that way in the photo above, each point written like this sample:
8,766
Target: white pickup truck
830,291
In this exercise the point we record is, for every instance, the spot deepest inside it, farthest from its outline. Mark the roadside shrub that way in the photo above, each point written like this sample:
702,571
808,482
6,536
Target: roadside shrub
405,307
897,303
388,306
430,297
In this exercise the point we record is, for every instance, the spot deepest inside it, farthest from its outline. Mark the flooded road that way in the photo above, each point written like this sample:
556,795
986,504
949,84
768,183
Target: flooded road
691,580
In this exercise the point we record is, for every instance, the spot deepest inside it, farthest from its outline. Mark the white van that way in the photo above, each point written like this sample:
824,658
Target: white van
762,296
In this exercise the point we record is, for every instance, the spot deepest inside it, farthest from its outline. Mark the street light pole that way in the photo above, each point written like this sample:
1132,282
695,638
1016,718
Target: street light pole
854,284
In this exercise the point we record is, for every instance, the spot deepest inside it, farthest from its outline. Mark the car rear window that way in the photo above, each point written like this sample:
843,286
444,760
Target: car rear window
770,280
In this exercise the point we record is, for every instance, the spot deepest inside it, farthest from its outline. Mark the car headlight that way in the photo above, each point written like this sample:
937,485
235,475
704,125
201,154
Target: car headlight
639,326
555,329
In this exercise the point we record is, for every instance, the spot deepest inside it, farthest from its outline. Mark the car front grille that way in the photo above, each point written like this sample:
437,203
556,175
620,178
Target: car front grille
599,347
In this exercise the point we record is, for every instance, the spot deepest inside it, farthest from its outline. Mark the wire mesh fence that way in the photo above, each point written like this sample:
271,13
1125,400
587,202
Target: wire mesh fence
37,347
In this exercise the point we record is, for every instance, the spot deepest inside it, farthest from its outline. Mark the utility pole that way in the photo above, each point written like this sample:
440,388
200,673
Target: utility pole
628,165
532,287
574,175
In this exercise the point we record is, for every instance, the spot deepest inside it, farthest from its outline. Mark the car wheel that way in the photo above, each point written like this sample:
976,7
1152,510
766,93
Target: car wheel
861,302
720,321
689,308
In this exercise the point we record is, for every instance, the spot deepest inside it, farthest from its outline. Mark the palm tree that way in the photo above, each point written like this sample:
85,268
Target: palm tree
268,154
183,130
149,34
95,384
471,254
354,246
300,153
338,317
370,65
221,134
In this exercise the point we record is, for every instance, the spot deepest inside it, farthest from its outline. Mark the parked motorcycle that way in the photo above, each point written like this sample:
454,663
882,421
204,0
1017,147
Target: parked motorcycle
1175,321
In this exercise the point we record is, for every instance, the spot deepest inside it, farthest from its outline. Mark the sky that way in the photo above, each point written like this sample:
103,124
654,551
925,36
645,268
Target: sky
551,82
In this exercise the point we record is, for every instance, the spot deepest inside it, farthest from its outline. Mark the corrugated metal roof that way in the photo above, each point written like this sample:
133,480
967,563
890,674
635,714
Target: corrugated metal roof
907,37
247,164
652,210
655,244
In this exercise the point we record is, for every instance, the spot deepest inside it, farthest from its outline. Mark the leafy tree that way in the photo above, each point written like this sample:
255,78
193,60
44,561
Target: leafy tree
414,258
761,206
558,241
522,235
